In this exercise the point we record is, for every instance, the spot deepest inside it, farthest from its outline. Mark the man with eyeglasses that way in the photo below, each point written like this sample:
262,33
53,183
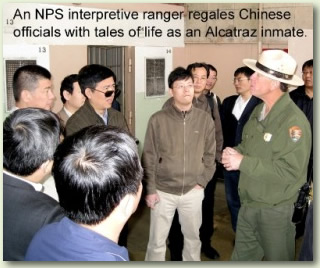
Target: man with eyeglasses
211,82
235,112
179,160
97,84
200,74
303,97
207,227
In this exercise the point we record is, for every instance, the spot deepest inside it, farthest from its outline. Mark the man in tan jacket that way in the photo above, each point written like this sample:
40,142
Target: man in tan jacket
200,74
179,160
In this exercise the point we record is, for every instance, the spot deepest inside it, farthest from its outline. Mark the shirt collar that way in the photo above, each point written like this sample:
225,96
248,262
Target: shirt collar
13,109
104,116
67,112
37,186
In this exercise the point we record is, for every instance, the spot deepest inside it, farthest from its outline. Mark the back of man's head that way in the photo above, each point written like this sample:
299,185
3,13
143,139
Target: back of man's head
90,75
94,169
27,77
30,137
67,85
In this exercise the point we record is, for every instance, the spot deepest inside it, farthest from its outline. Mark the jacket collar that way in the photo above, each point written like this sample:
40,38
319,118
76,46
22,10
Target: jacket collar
202,98
17,180
178,113
277,109
89,108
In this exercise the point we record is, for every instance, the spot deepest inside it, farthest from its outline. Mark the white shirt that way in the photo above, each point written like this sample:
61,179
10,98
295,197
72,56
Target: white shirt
67,112
263,113
13,109
105,116
239,106
37,186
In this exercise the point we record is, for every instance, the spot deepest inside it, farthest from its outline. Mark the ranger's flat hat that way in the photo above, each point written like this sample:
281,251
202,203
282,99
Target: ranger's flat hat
277,65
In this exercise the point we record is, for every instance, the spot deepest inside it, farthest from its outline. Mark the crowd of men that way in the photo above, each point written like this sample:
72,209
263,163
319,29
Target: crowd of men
259,140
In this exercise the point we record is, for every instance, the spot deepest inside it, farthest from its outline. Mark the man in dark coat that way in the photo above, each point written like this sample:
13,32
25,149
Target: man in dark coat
97,83
303,97
235,112
30,137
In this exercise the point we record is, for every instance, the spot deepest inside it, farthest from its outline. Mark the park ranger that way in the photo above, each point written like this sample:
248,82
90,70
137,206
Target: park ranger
272,159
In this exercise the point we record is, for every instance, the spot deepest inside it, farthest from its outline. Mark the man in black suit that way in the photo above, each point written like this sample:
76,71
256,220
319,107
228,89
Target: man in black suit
303,97
235,112
30,138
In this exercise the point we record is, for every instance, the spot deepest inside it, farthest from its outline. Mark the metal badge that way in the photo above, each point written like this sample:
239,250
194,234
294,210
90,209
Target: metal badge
267,137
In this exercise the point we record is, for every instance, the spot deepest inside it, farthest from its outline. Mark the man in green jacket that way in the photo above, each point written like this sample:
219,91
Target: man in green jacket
97,83
179,160
272,159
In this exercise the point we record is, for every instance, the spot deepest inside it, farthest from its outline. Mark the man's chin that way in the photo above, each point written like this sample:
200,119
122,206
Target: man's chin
198,91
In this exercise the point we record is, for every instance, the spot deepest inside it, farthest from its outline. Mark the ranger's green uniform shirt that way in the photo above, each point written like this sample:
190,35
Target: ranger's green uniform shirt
276,153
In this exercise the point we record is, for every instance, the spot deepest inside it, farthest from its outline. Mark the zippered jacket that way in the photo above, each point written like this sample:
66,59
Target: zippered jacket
202,103
179,150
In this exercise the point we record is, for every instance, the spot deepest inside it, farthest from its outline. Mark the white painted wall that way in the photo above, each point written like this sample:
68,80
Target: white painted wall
146,106
301,49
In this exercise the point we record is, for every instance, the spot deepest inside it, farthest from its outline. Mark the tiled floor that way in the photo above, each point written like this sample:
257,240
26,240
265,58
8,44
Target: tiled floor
222,239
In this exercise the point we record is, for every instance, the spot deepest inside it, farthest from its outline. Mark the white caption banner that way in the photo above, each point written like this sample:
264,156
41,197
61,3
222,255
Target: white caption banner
68,25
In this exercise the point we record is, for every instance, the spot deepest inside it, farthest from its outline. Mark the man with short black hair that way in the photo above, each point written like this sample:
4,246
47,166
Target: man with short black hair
235,112
32,87
200,72
98,176
30,137
303,97
211,82
71,97
179,160
98,85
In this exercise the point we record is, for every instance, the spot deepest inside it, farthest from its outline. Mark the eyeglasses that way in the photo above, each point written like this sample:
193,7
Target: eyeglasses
239,80
306,73
181,87
108,93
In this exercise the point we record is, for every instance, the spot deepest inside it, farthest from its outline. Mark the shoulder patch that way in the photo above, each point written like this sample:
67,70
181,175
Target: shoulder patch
295,133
